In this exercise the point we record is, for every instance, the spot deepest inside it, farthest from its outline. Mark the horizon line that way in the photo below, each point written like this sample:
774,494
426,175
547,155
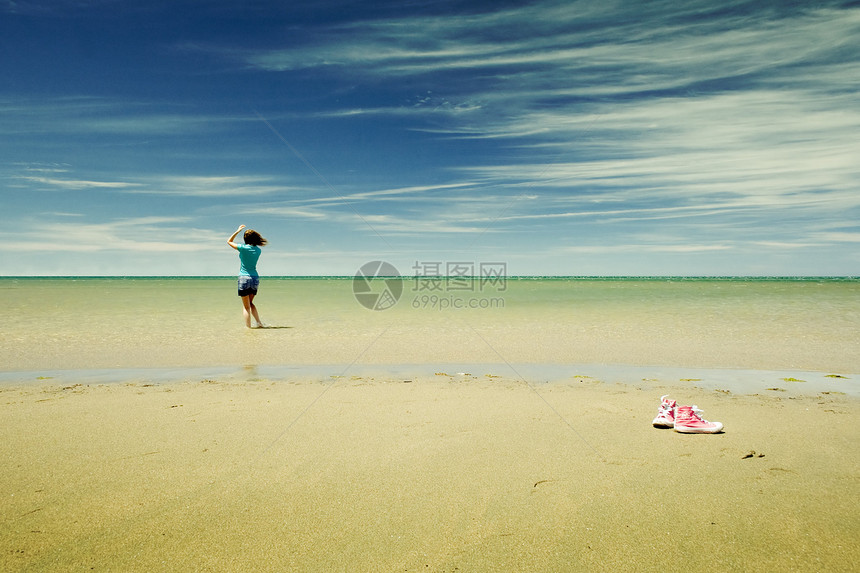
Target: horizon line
440,277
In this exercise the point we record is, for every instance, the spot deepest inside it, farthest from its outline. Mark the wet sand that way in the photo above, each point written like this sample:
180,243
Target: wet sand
440,473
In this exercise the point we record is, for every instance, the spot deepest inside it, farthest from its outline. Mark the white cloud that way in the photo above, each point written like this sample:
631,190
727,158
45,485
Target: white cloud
752,150
775,127
643,248
78,183
213,186
131,235
176,185
839,237
606,48
734,124
786,244
77,115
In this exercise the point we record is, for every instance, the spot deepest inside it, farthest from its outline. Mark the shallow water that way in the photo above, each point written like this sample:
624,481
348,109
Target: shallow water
56,324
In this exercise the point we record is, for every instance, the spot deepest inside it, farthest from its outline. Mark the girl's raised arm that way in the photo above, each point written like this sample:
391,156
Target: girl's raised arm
233,236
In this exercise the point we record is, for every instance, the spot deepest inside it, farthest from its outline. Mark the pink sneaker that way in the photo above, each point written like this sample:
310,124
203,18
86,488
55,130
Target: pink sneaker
666,414
689,421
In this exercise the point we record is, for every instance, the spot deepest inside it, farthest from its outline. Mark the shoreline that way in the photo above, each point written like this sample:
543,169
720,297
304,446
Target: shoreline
725,379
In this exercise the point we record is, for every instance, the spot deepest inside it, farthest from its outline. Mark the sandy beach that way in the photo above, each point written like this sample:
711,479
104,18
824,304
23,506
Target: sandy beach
145,435
443,472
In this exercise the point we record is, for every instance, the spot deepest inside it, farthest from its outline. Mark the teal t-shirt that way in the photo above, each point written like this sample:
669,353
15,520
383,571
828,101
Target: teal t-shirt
248,257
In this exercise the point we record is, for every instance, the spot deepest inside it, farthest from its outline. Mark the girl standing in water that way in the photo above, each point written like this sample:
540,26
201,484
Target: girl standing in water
249,280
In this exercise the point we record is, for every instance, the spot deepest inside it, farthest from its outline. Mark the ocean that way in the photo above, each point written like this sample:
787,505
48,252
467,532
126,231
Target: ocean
50,325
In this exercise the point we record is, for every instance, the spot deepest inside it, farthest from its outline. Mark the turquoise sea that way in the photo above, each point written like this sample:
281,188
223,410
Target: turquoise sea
535,324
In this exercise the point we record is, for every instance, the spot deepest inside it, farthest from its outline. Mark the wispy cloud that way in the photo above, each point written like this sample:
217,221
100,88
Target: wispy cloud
73,114
132,235
692,129
840,237
652,46
74,184
644,248
416,211
214,186
173,185
715,108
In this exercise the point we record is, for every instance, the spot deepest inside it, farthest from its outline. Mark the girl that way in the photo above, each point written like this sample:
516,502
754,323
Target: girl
249,280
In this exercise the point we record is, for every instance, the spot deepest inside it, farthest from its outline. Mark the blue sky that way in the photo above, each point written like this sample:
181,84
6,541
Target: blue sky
561,138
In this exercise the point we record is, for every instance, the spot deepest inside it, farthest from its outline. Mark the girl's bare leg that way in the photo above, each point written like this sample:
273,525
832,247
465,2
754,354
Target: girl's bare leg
254,310
247,308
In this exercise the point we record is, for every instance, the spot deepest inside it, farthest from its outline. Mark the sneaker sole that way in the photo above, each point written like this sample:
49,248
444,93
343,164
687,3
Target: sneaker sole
684,430
658,423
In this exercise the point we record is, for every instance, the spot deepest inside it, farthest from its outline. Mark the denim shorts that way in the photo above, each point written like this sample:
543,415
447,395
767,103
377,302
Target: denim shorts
248,285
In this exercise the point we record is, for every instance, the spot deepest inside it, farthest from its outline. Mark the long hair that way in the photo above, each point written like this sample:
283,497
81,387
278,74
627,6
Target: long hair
254,238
